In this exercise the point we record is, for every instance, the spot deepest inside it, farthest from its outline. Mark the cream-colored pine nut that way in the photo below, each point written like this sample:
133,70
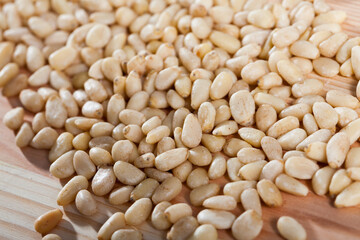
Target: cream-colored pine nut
248,155
352,158
219,218
165,144
199,194
199,156
103,181
296,110
326,117
225,128
307,87
293,153
289,71
85,203
213,143
322,135
304,64
204,231
233,166
63,167
167,190
217,167
253,71
171,159
247,226
15,86
177,211
349,196
338,98
197,178
251,135
321,180
264,98
182,171
105,142
183,228
127,173
285,37
337,149
44,139
120,195
252,170
242,107
291,139
31,100
69,191
300,167
223,113
346,115
354,173
316,151
352,130
291,185
283,126
272,169
133,234
138,212
8,72
83,164
200,92
233,145
309,123
158,218
183,86
250,200
326,67
115,222
330,46
225,41
14,118
265,117
236,188
24,135
271,148
34,58
46,222
206,116
269,193
339,181
304,49
291,229
191,134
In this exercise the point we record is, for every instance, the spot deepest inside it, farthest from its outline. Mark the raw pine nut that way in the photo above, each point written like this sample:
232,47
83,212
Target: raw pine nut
291,185
199,194
156,134
183,228
85,203
167,190
233,166
293,153
355,60
251,135
349,196
31,100
120,195
100,156
304,64
219,218
310,124
322,135
8,72
290,229
352,130
291,139
158,218
221,85
191,133
15,86
14,118
344,52
242,107
145,189
252,170
171,159
297,110
271,148
213,143
200,92
235,189
121,150
307,87
269,193
101,129
165,144
253,71
354,173
339,181
225,41
156,174
197,178
103,181
340,99
263,98
346,115
200,156
177,211
247,226
52,236
326,67
330,46
269,81
272,169
337,149
205,231
127,234
300,167
225,128
316,151
138,212
24,135
69,191
250,200
115,222
289,71
233,146
44,139
217,167
145,160
223,113
104,142
83,164
221,202
62,167
352,158
321,180
285,36
127,173
46,222
283,126
304,49
133,133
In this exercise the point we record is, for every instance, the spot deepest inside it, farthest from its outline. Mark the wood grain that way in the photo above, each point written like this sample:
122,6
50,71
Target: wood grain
27,190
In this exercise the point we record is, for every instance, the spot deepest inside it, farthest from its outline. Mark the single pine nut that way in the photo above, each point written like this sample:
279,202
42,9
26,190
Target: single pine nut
291,229
271,148
272,169
183,228
337,149
225,41
69,191
352,158
127,173
219,218
291,185
242,107
217,167
291,139
62,167
199,194
339,181
44,139
269,193
235,189
205,231
115,222
316,151
85,203
191,133
46,222
253,71
120,195
177,211
300,167
326,67
103,181
321,180
167,190
221,202
83,164
263,98
322,135
247,226
250,200
138,212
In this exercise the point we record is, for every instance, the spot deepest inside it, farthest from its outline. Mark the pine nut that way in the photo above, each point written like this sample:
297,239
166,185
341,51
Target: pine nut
291,185
52,236
44,139
177,211
250,200
225,41
183,228
69,191
103,181
247,226
83,164
352,159
191,133
115,222
339,181
272,169
219,218
46,222
269,193
349,196
205,231
167,190
132,234
62,167
271,148
200,194
316,151
321,180
300,167
291,229
85,203
138,212
235,189
322,135
120,195
337,149
221,202
145,189
326,67
291,139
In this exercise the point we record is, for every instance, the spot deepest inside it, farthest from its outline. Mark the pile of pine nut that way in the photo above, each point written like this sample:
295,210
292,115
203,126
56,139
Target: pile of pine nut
136,98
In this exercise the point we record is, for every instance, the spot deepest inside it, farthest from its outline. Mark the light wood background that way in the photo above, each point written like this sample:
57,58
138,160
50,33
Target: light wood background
27,190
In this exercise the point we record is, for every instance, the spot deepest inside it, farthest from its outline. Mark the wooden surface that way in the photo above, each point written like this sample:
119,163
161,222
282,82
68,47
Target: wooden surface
27,190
